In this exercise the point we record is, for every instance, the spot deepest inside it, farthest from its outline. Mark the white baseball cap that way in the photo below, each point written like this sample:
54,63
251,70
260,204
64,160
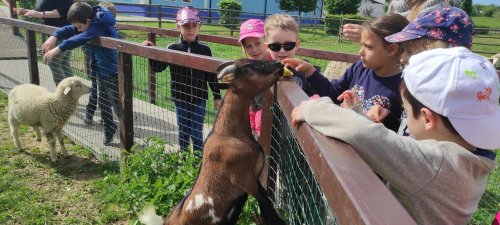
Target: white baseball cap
462,86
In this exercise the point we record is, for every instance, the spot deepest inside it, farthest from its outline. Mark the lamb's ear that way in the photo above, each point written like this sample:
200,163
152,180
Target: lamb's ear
66,90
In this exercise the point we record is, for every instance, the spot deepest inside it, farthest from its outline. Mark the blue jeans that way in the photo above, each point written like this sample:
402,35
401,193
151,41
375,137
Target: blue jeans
108,99
92,105
190,117
60,66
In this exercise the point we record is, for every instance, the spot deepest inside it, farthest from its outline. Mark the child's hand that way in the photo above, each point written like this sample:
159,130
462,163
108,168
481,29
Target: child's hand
49,44
147,43
377,113
300,65
49,55
352,32
20,11
296,118
217,103
348,99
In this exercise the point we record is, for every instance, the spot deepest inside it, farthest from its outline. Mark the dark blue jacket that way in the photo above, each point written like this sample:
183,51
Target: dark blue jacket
102,24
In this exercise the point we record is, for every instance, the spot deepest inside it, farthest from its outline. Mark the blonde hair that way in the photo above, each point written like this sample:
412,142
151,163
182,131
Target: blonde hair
425,44
281,21
110,6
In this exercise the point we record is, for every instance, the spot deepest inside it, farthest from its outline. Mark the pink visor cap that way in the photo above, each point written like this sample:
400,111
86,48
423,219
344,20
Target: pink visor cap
251,28
462,86
187,14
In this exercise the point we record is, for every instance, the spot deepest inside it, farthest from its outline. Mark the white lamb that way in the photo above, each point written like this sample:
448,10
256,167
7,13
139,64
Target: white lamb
35,106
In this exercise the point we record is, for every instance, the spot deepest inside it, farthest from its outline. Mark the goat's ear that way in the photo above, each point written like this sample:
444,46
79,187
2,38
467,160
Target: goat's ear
66,90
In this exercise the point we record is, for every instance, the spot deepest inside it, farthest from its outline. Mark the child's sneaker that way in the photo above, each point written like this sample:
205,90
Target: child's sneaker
108,135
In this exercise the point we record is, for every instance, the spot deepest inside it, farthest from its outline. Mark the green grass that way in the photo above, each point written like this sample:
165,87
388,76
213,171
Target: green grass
491,22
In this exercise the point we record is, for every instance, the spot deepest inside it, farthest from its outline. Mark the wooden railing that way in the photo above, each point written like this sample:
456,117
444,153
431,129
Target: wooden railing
355,195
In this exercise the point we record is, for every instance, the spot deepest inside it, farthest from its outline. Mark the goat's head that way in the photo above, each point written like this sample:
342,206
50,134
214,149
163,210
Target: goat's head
72,86
249,76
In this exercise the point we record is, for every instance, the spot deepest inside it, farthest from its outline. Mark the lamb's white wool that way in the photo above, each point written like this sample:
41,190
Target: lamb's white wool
148,216
496,60
35,106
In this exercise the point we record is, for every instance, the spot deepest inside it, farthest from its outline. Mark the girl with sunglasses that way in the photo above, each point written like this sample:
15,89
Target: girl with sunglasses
371,81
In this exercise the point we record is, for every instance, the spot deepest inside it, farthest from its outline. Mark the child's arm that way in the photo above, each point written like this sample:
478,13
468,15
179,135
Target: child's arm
406,163
212,82
80,39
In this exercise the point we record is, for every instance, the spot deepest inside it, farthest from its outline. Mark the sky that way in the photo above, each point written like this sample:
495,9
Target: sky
486,2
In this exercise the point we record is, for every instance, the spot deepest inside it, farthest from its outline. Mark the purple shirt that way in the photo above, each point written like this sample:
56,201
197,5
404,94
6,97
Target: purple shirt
370,88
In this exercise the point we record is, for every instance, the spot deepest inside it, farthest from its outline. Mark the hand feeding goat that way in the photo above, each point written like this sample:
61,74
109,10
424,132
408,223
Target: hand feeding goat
232,159
35,106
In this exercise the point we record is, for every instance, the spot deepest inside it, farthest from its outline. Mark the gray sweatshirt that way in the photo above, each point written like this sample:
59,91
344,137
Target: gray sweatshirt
438,182
401,6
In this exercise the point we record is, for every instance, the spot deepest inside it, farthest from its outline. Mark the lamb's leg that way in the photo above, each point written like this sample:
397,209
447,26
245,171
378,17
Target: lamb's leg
14,131
38,133
60,138
52,145
269,215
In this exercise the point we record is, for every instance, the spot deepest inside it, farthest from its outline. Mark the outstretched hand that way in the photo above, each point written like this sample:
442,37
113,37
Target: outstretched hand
50,55
148,43
377,113
299,65
348,99
49,44
352,31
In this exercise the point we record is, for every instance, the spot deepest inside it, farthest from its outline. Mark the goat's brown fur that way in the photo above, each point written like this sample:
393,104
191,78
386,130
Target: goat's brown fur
232,159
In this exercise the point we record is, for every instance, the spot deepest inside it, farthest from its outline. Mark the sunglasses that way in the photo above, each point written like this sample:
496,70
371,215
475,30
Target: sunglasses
287,46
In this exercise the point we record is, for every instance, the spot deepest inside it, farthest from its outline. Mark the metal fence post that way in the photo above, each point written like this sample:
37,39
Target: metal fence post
126,99
32,57
158,11
151,75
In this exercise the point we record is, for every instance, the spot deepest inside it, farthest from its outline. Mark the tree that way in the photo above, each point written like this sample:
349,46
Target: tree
467,6
301,6
342,6
230,11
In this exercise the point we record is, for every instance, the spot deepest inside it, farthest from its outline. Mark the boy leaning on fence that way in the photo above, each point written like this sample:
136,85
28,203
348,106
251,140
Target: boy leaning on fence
189,87
451,98
87,23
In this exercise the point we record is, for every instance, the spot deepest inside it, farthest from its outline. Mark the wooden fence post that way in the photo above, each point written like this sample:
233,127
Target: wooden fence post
13,15
32,58
151,75
125,97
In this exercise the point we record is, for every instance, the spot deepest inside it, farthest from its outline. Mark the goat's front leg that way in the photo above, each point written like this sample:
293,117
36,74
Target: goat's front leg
60,138
269,215
52,145
235,210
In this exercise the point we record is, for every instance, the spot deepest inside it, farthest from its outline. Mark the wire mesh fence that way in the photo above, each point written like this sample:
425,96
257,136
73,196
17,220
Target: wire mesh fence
292,184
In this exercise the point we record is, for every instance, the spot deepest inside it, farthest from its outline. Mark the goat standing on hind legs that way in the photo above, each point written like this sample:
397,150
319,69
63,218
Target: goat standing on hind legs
232,159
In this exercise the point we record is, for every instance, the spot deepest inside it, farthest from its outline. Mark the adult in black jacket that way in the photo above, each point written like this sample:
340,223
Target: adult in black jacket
53,13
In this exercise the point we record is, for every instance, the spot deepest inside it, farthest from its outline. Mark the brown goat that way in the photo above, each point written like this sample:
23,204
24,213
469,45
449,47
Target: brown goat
232,159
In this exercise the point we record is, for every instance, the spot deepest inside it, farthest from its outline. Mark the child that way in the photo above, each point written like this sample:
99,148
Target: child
88,23
440,28
92,104
252,41
440,175
374,79
189,86
282,41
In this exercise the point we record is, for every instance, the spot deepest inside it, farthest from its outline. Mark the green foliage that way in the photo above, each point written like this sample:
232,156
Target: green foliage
488,11
27,4
332,22
230,11
467,6
342,6
304,6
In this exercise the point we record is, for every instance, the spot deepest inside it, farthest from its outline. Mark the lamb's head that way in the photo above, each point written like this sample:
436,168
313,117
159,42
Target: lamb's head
496,61
249,76
73,87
